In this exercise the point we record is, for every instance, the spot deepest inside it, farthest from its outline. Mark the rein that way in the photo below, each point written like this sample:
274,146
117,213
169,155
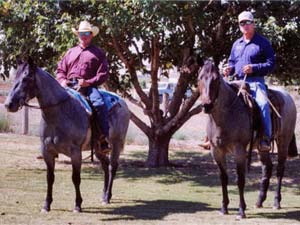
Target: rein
48,106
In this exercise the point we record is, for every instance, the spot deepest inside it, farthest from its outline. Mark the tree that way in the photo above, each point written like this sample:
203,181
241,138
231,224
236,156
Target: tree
162,34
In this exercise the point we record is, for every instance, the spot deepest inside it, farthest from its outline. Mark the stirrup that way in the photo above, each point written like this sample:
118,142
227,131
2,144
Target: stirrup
105,148
264,146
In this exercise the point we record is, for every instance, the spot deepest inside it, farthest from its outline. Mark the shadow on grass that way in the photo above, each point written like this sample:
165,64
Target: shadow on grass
150,210
293,215
201,169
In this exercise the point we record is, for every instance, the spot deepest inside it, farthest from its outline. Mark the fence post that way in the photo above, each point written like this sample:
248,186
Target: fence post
25,120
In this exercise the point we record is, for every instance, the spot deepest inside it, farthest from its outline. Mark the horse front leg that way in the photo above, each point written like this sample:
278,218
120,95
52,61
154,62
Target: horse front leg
240,155
266,175
280,173
76,168
220,159
50,163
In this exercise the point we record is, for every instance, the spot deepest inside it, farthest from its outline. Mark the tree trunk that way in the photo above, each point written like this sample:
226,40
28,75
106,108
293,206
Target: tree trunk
158,155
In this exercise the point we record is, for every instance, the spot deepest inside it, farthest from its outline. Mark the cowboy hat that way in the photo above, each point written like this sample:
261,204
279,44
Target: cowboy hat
85,26
246,15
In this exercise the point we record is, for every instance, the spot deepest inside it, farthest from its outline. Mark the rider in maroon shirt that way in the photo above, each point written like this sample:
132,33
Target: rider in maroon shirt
87,66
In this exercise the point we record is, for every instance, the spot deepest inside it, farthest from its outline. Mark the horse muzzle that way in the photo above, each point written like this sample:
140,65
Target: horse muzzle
12,106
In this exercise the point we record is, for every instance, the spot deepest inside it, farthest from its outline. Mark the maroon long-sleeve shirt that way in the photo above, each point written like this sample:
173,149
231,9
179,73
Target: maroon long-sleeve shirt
89,63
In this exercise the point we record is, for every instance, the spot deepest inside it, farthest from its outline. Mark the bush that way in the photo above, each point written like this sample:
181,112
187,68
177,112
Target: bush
4,123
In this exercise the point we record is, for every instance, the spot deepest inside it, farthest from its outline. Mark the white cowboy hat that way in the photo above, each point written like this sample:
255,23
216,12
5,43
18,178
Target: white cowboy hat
86,26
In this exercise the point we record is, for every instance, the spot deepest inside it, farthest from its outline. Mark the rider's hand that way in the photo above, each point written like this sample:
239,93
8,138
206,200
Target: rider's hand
227,70
247,69
83,83
64,83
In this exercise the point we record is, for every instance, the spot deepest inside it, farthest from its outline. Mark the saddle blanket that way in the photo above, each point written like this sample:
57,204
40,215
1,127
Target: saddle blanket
110,99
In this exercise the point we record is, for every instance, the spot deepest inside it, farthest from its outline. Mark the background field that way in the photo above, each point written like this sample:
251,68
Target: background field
187,193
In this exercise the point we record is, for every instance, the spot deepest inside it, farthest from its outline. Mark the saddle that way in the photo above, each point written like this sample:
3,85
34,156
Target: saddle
275,103
111,101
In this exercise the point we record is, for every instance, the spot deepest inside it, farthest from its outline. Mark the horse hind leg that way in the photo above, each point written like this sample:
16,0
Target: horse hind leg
50,163
117,146
282,156
105,166
280,173
266,175
76,159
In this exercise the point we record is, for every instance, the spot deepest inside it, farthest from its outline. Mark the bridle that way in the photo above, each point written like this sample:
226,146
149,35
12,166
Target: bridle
46,106
215,100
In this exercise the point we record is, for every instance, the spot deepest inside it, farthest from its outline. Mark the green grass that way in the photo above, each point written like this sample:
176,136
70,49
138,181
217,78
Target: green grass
187,193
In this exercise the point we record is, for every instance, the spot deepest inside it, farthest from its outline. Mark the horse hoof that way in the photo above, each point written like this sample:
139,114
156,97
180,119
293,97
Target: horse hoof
77,209
223,212
258,206
44,211
105,203
276,207
239,217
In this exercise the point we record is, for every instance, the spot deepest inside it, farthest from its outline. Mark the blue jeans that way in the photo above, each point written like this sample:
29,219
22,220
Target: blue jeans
259,93
98,103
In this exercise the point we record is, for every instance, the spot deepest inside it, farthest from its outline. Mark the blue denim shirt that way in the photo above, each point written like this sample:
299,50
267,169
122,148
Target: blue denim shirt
258,52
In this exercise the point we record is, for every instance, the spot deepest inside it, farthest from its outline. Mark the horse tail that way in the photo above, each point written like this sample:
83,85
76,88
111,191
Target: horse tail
250,151
292,150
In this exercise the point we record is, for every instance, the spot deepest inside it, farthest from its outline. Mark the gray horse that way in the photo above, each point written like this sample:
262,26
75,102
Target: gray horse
65,127
229,129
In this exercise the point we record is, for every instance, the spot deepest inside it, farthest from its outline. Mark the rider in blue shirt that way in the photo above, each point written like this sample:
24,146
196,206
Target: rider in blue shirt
252,55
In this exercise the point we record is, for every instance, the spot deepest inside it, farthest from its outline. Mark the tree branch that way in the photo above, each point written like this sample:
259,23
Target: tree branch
191,113
133,100
178,120
139,54
155,50
143,126
188,71
132,72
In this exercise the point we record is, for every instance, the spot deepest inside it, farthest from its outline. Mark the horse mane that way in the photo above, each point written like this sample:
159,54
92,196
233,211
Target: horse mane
50,79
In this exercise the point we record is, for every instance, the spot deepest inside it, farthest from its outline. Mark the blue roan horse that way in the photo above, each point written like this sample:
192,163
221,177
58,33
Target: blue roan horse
230,130
65,127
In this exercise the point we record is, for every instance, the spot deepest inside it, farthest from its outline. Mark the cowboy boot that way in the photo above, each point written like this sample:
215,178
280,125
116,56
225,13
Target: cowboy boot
205,144
265,144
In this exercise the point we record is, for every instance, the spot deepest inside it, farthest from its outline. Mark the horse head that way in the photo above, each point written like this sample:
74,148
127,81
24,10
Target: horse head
208,84
24,87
